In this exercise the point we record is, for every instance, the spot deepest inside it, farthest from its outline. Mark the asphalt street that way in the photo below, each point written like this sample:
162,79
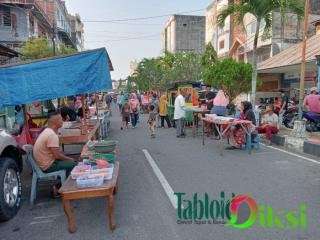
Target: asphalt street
143,210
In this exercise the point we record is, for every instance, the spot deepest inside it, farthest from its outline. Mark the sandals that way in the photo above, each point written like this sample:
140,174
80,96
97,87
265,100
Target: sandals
55,192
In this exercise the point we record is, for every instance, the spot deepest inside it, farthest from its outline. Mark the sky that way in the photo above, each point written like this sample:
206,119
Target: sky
126,41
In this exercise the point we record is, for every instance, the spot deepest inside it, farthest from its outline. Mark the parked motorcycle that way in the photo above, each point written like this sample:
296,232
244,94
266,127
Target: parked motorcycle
313,121
290,115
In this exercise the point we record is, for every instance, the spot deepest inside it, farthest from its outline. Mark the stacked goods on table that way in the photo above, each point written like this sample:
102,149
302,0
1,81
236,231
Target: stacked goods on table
106,148
97,164
70,129
92,172
194,109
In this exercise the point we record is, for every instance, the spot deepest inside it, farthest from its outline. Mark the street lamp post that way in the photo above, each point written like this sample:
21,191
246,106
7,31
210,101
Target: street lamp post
318,72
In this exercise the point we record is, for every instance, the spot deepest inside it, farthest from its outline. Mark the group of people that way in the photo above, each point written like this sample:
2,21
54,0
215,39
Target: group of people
217,103
132,104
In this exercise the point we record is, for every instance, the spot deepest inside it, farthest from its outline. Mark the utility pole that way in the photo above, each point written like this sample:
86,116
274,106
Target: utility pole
54,27
303,57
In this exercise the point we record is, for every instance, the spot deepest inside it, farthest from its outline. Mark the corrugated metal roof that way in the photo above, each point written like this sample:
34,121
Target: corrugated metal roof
292,55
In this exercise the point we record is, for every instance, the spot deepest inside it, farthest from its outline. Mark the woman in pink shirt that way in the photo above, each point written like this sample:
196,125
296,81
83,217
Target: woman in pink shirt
220,103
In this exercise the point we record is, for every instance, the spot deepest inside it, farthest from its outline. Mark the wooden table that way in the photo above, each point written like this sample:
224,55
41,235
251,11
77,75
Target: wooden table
83,138
195,111
69,191
223,126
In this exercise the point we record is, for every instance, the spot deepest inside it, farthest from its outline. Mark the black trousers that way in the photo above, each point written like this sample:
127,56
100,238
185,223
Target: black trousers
167,120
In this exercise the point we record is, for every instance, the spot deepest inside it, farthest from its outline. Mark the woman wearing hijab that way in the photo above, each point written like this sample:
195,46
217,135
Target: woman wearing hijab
237,135
220,103
163,111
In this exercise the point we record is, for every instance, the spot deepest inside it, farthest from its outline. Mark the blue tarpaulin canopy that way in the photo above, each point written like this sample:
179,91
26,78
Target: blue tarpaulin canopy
84,72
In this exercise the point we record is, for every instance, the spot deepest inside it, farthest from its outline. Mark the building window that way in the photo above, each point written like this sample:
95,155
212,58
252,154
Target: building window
221,44
5,15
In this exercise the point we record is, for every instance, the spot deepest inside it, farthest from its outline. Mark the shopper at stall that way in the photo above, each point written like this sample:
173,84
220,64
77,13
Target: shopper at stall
68,114
209,96
134,109
163,111
180,113
220,103
269,124
47,149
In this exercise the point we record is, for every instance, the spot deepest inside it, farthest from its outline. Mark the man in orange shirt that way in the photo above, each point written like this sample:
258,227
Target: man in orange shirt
46,149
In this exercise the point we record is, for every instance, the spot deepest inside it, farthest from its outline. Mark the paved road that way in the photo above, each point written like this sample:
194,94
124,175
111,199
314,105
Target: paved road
143,209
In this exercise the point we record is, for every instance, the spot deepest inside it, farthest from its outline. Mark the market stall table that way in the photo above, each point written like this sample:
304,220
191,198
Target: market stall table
69,191
195,112
223,125
92,126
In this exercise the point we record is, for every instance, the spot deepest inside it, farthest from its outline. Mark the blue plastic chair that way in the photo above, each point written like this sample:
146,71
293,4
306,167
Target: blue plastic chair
38,174
250,143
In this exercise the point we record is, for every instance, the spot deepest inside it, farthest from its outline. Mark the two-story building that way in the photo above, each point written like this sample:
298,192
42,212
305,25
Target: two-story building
184,33
237,41
22,19
77,31
62,24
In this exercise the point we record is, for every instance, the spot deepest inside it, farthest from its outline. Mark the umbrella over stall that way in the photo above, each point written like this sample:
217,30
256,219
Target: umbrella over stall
51,78
56,77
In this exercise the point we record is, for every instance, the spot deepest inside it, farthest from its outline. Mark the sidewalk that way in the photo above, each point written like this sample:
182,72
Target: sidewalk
309,145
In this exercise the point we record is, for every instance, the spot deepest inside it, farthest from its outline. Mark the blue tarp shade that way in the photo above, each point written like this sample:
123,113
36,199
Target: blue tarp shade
84,72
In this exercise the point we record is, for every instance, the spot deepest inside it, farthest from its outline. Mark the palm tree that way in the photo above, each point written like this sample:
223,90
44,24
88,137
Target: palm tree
261,10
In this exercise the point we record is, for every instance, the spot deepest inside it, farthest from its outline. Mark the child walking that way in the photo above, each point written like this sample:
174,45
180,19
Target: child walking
152,121
125,112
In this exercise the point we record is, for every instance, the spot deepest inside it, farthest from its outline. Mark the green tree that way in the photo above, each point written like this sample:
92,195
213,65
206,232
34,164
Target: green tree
37,48
233,77
156,73
209,57
65,49
148,74
261,10
181,66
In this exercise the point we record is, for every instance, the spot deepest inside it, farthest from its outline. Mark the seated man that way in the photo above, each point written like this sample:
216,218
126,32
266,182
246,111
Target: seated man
47,152
68,114
312,102
269,124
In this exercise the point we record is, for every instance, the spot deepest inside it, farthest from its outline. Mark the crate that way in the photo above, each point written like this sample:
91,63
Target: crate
88,182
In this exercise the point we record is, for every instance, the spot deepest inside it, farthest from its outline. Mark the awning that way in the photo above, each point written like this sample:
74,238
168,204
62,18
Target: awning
45,79
289,60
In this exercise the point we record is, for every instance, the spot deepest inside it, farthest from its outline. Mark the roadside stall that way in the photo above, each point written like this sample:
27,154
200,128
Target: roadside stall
191,99
70,75
223,125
